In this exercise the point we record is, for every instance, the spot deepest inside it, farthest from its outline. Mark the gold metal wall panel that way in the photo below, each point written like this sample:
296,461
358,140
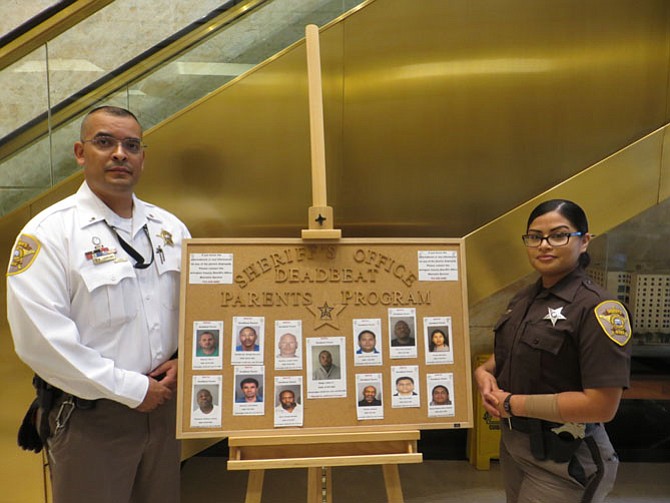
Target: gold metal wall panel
664,189
241,156
611,192
439,117
455,112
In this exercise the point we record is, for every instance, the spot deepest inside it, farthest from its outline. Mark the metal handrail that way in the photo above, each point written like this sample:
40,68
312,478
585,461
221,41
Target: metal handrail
138,67
43,27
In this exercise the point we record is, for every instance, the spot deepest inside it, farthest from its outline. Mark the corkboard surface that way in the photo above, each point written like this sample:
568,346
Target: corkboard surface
327,293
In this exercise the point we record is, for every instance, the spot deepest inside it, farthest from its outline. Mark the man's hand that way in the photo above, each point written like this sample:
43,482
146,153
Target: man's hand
157,395
160,391
166,373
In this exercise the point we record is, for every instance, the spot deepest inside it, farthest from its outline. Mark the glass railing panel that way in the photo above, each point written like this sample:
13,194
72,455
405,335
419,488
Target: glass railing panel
29,168
25,175
229,53
92,49
21,12
178,83
62,151
24,87
28,172
116,34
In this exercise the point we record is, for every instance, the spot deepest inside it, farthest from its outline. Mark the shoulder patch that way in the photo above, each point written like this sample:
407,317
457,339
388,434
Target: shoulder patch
613,318
23,255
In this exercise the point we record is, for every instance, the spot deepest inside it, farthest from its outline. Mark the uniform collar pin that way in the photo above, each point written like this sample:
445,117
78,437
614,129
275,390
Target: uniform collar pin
166,237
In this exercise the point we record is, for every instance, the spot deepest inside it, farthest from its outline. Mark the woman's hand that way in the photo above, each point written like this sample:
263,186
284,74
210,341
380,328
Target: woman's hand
488,386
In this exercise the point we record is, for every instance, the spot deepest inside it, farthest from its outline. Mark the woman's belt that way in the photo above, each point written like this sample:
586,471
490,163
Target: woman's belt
549,440
526,424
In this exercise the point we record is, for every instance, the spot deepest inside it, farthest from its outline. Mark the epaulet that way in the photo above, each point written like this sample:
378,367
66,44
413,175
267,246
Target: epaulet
614,320
594,287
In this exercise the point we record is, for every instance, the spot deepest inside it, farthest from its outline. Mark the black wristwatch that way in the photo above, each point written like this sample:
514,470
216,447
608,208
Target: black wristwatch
507,406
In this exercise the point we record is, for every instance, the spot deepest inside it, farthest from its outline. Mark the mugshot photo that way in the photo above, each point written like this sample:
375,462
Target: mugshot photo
326,367
248,335
403,332
326,363
207,343
369,395
438,340
288,344
367,341
249,388
206,401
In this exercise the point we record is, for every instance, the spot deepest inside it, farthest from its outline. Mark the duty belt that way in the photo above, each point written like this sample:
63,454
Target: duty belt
35,429
528,425
548,440
41,386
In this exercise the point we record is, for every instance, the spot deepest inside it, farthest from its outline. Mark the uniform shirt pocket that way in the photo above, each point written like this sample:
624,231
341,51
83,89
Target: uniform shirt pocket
112,292
544,338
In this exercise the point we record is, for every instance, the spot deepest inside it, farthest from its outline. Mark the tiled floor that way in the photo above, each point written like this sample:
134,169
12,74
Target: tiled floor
206,479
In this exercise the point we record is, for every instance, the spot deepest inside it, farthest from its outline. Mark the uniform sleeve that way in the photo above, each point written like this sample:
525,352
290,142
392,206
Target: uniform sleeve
45,335
605,351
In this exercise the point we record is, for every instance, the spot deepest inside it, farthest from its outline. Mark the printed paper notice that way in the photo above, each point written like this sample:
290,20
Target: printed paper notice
210,269
438,265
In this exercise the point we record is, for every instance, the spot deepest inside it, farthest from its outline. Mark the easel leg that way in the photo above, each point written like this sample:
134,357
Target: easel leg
393,487
316,485
329,485
255,486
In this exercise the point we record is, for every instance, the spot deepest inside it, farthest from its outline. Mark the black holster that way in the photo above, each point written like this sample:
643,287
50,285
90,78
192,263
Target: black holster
536,436
545,444
561,447
28,437
34,429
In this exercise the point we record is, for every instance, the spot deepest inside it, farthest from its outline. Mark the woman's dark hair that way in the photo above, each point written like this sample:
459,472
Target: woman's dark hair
569,210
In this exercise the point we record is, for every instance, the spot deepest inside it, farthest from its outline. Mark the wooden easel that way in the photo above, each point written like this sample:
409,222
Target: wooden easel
319,453
319,215
325,282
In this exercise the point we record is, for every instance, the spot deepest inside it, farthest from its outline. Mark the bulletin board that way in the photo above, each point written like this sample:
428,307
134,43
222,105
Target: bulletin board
321,297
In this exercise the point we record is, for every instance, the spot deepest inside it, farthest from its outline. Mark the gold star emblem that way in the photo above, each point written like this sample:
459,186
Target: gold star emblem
326,314
326,311
554,315
166,237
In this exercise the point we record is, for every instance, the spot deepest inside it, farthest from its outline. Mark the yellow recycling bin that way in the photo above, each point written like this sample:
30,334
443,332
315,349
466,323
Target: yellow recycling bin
484,438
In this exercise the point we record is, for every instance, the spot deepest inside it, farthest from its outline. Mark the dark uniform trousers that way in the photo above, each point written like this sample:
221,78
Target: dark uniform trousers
580,480
114,454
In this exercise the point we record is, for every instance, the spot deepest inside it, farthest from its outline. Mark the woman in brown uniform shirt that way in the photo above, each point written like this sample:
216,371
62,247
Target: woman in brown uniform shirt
561,362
